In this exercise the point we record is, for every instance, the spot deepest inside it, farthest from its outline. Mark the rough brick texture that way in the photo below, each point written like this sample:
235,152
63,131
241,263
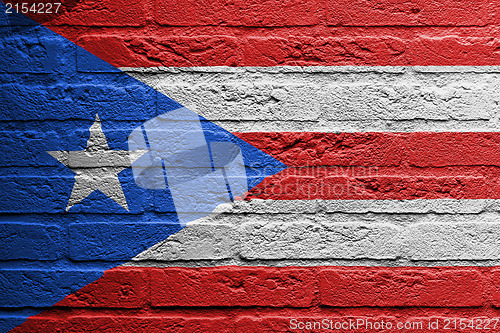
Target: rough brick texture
232,286
270,33
411,13
337,99
379,165
182,298
401,233
385,112
116,289
370,287
294,50
273,13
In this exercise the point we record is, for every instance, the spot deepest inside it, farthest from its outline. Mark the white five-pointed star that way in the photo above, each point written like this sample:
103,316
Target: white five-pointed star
97,167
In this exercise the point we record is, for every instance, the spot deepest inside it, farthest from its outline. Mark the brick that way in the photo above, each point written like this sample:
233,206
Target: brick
115,241
376,287
445,149
37,54
362,322
385,284
292,47
472,240
65,101
350,102
22,148
495,281
29,194
431,187
232,286
50,195
421,149
408,102
252,13
37,324
116,322
442,206
366,13
274,99
380,51
26,149
245,101
195,242
304,240
321,149
214,50
303,51
117,288
352,126
258,206
26,152
326,184
37,283
454,50
31,241
90,13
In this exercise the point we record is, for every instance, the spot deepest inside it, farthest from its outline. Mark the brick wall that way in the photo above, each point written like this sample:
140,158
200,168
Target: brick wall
274,33
260,263
242,299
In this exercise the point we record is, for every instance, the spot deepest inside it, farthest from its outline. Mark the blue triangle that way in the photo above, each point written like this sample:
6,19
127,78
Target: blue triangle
51,92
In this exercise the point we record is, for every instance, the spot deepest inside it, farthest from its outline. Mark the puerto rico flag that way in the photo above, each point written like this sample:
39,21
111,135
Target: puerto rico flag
194,166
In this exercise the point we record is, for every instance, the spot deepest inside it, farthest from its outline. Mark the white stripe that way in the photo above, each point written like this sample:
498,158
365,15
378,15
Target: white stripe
338,232
335,99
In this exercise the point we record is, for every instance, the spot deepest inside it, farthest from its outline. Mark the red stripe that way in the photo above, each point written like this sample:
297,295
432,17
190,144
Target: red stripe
378,184
395,166
363,13
366,13
275,33
235,299
273,13
416,149
287,185
198,48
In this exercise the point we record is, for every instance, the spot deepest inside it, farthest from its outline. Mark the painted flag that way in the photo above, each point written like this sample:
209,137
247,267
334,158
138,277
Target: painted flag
369,138
97,167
